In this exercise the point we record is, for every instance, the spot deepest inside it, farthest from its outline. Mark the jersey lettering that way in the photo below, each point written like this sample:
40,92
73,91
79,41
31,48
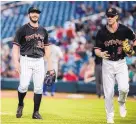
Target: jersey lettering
112,42
34,36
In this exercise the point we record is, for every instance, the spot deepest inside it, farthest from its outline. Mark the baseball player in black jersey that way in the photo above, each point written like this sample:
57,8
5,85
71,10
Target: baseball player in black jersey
109,46
29,46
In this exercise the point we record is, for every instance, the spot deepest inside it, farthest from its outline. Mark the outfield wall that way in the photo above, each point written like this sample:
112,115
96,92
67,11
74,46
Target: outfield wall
74,87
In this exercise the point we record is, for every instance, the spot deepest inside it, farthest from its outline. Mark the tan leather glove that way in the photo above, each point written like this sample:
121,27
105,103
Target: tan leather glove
127,48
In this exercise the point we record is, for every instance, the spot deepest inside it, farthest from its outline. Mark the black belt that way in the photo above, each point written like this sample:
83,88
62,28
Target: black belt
31,56
116,59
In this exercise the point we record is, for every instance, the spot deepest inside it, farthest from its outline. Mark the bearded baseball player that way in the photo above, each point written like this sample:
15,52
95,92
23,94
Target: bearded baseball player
29,47
112,45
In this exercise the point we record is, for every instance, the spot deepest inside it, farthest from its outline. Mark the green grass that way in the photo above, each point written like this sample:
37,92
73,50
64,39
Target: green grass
65,111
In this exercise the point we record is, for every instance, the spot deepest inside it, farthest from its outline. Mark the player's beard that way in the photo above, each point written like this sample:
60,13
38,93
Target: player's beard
34,21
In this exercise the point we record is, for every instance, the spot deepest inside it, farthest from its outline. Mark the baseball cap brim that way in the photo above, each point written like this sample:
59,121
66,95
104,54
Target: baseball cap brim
108,14
37,11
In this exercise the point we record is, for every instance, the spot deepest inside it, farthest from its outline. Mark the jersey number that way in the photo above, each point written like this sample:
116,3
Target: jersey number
40,44
119,50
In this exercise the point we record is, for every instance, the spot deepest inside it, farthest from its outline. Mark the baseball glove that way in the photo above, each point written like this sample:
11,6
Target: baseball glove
127,48
50,77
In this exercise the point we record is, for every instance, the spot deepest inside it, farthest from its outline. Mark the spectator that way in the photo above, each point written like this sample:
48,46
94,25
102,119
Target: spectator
70,32
82,71
80,38
56,56
81,9
70,76
131,71
79,25
99,9
6,63
59,33
128,20
90,70
89,10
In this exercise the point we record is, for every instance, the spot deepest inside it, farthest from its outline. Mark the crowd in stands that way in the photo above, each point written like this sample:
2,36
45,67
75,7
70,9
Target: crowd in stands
77,39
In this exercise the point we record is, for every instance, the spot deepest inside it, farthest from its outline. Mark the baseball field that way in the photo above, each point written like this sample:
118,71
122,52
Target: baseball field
63,109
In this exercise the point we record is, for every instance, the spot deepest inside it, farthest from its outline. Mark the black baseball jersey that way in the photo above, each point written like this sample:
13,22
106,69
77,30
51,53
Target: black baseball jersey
112,42
31,40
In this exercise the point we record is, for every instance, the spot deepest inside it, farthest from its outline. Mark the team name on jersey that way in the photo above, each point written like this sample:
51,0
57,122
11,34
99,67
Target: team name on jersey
113,42
34,36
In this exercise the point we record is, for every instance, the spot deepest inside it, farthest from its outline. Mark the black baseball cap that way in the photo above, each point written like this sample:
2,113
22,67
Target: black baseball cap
111,12
34,9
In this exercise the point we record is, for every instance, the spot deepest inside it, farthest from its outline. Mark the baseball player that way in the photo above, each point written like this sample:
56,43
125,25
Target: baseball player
29,45
56,55
109,46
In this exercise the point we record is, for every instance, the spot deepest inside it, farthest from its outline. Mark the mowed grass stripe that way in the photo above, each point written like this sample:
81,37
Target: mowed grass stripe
66,111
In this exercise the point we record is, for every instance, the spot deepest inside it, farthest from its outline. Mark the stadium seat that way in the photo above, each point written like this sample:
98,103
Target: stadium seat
54,13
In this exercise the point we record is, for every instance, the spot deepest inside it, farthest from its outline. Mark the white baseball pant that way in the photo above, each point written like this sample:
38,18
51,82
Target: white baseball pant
111,71
31,68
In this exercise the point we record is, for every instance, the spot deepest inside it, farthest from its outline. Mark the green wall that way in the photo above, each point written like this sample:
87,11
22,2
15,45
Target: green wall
73,87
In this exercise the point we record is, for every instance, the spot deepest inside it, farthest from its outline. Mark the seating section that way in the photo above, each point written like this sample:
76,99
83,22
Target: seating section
53,13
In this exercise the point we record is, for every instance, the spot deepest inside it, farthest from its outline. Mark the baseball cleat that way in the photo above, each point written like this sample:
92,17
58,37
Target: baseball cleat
110,121
52,94
19,111
45,94
36,115
123,111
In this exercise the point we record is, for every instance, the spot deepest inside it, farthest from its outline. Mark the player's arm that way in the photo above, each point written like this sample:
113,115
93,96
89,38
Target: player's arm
48,57
16,51
98,46
47,50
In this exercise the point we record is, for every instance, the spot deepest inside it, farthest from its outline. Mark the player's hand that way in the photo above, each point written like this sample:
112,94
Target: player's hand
105,55
17,67
51,72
